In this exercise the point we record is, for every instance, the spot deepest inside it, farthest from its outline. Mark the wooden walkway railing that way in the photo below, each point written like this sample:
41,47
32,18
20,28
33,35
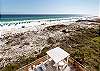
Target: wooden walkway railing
77,65
36,62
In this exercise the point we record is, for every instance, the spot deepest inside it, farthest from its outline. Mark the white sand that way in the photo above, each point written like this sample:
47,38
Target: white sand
36,26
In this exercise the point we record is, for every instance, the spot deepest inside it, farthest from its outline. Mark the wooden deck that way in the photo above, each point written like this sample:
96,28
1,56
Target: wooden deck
50,67
73,65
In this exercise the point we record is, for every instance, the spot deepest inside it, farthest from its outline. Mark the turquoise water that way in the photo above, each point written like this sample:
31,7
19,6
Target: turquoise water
16,17
20,19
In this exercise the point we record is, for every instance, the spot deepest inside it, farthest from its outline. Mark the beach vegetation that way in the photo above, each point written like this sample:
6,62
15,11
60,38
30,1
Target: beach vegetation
10,67
83,44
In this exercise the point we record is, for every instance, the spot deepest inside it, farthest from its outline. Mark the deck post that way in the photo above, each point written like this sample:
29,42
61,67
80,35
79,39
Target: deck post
47,57
67,60
57,66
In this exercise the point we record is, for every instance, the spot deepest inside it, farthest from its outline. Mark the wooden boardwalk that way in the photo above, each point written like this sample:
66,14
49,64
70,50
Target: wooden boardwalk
74,65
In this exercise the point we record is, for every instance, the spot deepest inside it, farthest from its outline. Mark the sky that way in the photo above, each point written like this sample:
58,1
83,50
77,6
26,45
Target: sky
90,7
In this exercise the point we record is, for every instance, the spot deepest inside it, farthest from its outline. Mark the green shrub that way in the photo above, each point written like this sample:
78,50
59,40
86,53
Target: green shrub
10,67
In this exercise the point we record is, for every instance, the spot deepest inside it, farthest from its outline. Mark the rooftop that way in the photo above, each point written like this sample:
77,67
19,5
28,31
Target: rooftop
57,54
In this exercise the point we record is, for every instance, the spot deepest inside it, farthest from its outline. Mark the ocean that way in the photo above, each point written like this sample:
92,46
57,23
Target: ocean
20,17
